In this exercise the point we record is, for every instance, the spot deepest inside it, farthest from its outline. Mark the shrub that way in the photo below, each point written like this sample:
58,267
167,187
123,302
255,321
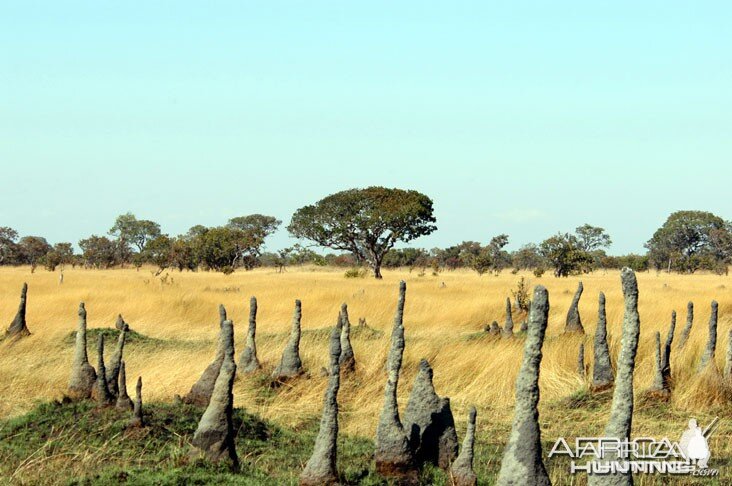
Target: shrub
521,295
355,273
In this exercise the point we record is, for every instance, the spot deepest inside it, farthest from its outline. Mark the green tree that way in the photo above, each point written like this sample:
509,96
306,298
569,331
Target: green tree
528,257
183,254
159,252
134,232
690,240
99,252
9,251
258,225
33,249
61,254
500,258
366,222
591,238
483,261
225,248
565,253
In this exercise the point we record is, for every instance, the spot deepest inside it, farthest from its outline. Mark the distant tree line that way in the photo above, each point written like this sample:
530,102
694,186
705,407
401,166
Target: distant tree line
363,226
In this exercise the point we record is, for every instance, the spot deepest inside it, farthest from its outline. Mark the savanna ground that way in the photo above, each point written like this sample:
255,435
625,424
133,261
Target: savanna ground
177,320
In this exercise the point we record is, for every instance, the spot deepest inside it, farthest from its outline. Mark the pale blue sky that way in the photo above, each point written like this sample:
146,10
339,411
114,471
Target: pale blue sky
516,117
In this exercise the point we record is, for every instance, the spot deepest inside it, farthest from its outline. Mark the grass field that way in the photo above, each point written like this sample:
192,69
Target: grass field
178,319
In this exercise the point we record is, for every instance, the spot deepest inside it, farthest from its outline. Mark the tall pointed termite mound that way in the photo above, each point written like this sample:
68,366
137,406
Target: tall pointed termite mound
123,399
711,347
18,328
120,323
83,375
574,321
347,359
659,388
687,328
508,328
248,361
214,437
104,396
321,468
728,359
666,356
429,423
522,463
602,370
621,411
581,361
393,456
138,418
461,471
201,391
290,364
116,362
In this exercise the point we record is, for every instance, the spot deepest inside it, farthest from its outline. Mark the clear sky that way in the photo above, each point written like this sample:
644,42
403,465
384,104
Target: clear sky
523,118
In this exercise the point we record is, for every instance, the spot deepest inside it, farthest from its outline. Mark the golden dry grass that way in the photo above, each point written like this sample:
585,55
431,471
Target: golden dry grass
437,320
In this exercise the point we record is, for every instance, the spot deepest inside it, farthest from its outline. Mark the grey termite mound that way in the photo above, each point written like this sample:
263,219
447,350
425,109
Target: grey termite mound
291,365
214,437
83,375
347,359
201,391
18,327
248,361
621,411
461,471
574,320
711,347
522,463
393,456
321,468
602,370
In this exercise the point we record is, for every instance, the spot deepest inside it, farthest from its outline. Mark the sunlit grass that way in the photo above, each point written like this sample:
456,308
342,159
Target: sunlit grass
182,319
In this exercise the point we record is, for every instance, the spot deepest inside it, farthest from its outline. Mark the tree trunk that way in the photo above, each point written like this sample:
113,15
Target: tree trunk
377,270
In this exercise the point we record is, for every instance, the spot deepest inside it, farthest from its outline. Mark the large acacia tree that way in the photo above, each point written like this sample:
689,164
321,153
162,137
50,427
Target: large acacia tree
366,222
692,240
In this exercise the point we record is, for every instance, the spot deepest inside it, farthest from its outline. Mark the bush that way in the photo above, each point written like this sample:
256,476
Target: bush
521,295
539,271
355,273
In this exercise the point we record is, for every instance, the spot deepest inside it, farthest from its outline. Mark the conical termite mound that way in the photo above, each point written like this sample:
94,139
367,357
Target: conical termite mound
687,328
214,437
347,359
116,362
602,370
291,365
123,399
621,410
321,468
138,417
461,471
18,327
574,320
393,456
429,423
248,361
83,375
659,388
709,350
666,355
581,361
522,463
508,326
201,391
103,395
